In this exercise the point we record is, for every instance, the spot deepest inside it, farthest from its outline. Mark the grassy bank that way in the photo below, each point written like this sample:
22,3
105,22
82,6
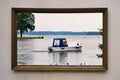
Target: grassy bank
27,37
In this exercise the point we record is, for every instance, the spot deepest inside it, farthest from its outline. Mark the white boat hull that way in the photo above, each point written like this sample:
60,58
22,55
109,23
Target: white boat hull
67,49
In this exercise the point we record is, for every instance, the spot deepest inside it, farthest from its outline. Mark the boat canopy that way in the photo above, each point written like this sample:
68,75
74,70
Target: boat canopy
60,42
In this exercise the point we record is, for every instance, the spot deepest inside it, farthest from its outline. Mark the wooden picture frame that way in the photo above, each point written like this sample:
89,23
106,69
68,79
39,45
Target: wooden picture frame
14,55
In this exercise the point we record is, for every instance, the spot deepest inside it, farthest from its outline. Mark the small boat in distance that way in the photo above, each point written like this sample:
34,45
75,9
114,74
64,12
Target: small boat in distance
60,44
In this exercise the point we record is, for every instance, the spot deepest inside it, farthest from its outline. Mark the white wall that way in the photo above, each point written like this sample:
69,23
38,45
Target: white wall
113,72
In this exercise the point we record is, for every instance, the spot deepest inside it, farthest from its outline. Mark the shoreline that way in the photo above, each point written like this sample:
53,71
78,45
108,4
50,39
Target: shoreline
27,37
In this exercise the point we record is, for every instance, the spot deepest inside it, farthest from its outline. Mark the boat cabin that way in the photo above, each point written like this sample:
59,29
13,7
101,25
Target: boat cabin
59,42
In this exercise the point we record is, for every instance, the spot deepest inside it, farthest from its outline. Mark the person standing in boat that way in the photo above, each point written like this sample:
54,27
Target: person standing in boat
78,45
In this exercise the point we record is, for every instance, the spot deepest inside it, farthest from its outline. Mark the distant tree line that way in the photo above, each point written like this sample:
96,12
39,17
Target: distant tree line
60,33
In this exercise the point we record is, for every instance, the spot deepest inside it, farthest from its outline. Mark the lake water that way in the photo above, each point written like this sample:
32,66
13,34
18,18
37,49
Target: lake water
35,51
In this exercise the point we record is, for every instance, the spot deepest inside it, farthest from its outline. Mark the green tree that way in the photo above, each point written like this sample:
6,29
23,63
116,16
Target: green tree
100,46
101,33
25,22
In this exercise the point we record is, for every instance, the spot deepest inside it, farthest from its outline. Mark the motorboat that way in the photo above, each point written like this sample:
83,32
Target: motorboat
60,44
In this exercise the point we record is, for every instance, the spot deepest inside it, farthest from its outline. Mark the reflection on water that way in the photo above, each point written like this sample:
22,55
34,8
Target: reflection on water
63,58
59,58
35,51
25,59
66,58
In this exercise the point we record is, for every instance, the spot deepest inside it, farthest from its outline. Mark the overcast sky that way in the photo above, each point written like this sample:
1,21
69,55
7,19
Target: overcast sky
76,22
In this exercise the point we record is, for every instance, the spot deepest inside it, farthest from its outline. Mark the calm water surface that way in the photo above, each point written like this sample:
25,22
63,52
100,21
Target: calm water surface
35,51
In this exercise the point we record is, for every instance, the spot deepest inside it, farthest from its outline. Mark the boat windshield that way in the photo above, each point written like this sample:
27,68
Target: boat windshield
56,43
64,42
